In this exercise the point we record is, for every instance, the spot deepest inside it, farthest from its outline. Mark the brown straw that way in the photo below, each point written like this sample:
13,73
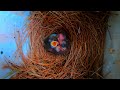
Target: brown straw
86,32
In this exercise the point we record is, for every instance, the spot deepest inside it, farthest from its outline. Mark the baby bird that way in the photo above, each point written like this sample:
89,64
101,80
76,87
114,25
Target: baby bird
56,43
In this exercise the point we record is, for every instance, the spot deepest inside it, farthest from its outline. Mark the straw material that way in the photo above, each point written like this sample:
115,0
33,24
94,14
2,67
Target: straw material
86,31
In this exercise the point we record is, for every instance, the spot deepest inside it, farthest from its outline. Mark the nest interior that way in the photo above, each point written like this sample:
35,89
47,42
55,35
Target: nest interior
86,31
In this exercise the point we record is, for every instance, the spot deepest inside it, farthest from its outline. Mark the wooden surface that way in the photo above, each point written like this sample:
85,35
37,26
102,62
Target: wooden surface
112,49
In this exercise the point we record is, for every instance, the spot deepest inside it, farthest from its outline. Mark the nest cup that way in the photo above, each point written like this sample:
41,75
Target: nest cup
86,32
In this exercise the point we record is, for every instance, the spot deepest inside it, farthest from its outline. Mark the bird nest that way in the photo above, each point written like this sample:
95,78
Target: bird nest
86,33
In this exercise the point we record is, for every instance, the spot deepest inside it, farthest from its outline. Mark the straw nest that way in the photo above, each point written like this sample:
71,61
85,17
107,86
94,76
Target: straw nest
84,60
